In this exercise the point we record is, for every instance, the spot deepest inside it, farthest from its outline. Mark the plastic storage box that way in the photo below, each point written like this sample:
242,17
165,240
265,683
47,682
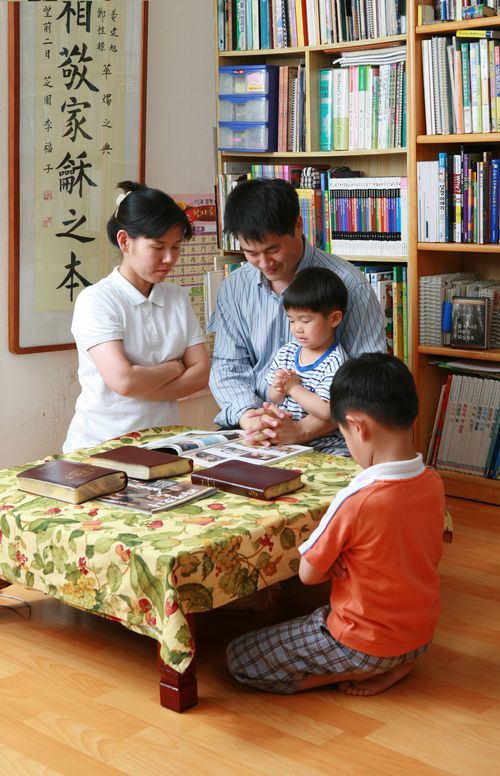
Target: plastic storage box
248,79
243,108
248,108
234,136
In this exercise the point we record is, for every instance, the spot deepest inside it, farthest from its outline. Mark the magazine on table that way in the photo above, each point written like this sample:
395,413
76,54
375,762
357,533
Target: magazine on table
208,448
156,495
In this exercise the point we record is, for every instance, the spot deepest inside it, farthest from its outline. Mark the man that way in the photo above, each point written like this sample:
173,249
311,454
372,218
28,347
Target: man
251,324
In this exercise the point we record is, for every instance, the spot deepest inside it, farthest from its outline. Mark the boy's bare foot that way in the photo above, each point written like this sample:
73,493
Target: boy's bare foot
378,683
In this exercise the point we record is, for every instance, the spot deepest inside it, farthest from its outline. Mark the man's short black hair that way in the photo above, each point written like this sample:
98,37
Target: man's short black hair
256,208
377,384
317,289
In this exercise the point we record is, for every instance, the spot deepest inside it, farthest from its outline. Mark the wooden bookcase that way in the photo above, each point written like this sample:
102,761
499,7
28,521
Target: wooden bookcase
423,258
433,258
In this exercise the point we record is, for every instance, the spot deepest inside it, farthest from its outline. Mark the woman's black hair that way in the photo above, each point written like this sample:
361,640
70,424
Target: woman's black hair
377,384
317,289
146,212
256,208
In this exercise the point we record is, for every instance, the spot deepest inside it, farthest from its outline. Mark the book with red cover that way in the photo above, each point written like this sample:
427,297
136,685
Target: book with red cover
142,463
248,479
441,411
70,481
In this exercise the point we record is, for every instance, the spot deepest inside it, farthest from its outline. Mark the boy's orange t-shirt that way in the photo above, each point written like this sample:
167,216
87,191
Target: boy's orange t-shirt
388,525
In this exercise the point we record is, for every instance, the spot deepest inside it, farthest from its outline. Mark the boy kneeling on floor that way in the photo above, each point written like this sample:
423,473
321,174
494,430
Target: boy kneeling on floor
380,543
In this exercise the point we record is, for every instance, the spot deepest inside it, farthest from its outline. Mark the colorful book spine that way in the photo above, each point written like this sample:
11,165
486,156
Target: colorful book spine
494,200
466,88
326,109
406,354
265,42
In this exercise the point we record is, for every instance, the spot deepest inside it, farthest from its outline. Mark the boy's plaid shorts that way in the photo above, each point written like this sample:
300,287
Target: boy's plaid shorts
278,658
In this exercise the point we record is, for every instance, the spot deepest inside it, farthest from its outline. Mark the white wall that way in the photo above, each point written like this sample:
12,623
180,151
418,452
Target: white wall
38,391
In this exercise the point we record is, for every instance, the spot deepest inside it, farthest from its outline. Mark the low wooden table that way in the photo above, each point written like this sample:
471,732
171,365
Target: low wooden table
153,573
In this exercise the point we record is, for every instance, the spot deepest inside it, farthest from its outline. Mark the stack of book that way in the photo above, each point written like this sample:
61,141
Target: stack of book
445,309
461,76
363,102
261,24
465,436
459,198
390,287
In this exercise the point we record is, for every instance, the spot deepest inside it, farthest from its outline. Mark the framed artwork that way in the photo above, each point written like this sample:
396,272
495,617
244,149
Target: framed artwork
77,95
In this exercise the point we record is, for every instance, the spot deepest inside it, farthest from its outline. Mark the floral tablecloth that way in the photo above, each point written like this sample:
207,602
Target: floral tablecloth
146,571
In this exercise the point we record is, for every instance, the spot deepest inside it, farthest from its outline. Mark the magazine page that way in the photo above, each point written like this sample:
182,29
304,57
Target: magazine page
207,448
190,441
248,453
156,495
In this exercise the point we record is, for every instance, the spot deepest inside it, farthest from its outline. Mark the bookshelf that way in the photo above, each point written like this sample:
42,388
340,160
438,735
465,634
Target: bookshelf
422,258
373,162
432,258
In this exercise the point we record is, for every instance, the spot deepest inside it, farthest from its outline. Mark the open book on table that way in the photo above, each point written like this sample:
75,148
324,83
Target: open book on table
208,448
156,495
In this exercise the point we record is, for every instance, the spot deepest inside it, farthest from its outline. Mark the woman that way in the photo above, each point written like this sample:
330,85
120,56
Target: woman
140,346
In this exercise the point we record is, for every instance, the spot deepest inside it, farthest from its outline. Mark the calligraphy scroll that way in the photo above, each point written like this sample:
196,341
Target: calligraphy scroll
76,128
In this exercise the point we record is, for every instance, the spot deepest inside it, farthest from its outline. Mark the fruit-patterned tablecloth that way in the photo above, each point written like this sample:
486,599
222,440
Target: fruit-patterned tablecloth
147,572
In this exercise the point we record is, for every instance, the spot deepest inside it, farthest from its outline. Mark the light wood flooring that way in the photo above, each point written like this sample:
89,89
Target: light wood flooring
79,695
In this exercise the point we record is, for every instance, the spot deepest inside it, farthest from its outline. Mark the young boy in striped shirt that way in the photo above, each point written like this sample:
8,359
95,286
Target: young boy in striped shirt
379,544
302,371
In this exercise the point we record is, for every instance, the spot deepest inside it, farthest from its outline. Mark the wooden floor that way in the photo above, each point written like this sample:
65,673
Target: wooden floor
79,695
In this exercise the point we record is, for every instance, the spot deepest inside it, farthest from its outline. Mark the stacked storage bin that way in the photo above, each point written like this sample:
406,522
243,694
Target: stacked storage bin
248,108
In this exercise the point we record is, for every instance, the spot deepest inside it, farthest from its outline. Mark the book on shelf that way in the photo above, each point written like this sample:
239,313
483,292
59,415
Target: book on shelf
142,463
367,93
425,14
477,33
390,286
70,481
262,24
478,11
464,96
466,186
468,419
247,479
436,294
437,428
326,109
455,10
369,216
469,322
157,495
208,448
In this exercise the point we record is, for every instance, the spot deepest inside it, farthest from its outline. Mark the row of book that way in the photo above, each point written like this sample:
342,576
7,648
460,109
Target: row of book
461,76
291,108
465,436
342,211
390,286
459,198
244,25
459,309
454,10
362,106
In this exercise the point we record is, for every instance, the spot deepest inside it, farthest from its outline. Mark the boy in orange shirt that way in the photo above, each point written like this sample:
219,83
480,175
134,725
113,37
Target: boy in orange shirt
379,543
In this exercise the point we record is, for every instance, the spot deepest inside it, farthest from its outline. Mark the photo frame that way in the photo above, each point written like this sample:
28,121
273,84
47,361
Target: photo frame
77,99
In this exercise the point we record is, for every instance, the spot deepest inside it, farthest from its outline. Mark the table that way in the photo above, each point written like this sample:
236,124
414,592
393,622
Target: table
153,573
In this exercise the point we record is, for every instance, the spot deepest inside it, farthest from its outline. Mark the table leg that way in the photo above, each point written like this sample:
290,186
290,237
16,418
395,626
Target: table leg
178,691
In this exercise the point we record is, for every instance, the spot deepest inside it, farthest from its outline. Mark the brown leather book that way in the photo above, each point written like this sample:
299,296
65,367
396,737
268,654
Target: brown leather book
248,479
142,463
70,481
